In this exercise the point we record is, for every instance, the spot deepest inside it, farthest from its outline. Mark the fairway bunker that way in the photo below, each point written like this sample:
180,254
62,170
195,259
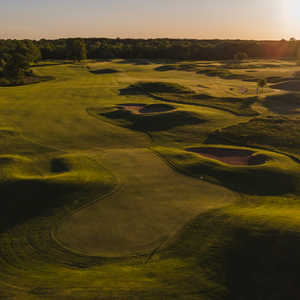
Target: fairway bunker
146,109
231,156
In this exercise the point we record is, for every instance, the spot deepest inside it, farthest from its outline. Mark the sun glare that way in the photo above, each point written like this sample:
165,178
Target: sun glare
291,16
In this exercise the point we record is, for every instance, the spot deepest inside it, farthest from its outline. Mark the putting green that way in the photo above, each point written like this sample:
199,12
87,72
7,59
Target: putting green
151,205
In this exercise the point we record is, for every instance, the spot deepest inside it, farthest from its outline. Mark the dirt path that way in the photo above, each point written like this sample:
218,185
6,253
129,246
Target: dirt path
152,204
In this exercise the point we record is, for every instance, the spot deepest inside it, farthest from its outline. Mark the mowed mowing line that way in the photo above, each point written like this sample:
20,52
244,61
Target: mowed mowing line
153,203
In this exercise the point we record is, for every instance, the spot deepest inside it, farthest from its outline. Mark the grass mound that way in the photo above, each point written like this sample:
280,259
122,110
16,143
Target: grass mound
239,107
271,178
141,88
34,191
231,156
273,132
105,71
225,74
156,108
285,104
259,255
292,85
148,122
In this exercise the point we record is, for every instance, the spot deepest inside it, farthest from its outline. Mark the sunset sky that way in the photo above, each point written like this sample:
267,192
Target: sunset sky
253,19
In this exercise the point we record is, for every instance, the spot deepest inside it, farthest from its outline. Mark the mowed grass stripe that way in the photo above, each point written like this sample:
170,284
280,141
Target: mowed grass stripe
152,205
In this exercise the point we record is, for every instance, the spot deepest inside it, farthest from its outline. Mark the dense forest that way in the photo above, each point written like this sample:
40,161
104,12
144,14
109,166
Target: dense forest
16,56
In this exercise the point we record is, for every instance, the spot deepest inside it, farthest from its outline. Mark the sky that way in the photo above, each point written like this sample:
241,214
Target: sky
200,19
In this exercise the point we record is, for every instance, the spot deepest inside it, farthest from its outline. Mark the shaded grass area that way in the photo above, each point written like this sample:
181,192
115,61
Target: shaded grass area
104,71
206,264
188,67
257,255
33,187
274,132
283,104
141,88
151,122
292,85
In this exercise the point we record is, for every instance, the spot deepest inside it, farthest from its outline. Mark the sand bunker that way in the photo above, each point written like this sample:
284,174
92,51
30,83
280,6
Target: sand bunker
292,85
238,157
146,109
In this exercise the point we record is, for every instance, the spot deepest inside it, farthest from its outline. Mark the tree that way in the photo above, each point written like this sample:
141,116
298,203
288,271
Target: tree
76,49
240,56
34,52
261,83
16,66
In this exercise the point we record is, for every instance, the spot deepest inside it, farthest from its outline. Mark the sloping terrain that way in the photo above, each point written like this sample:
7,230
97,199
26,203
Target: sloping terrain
101,197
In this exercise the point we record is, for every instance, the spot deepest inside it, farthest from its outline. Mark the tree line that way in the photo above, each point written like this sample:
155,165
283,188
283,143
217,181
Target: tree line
17,55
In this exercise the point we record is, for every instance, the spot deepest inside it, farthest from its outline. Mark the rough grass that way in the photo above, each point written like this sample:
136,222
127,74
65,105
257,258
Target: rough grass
277,132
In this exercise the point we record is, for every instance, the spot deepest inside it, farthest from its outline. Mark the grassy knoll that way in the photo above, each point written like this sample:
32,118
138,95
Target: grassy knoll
171,92
274,132
278,175
186,124
90,211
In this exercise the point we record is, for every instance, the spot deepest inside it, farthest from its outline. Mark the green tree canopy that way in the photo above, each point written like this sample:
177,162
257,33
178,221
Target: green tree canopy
240,56
76,49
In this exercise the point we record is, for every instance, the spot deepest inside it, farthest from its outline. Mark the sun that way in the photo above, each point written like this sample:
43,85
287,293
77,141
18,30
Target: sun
290,12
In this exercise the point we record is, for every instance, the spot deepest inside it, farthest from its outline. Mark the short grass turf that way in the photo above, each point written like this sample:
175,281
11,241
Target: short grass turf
149,209
60,160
